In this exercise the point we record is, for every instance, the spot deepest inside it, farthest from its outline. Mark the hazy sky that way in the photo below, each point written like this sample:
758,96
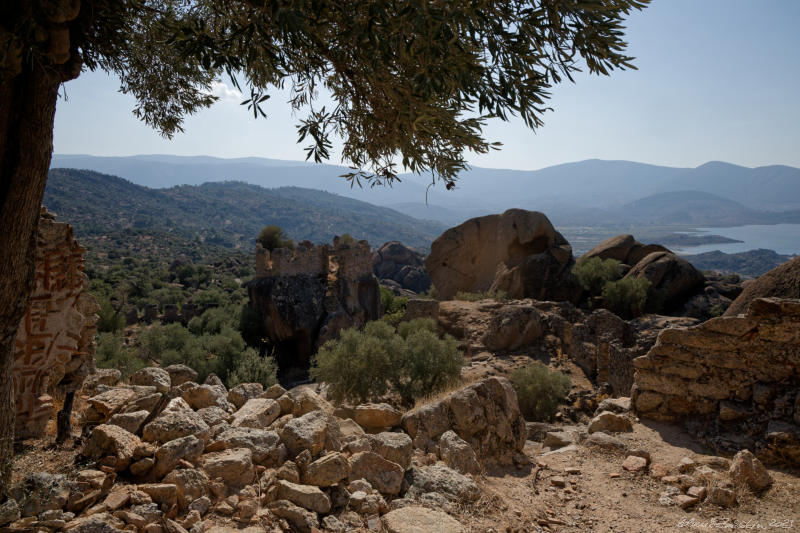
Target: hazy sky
717,80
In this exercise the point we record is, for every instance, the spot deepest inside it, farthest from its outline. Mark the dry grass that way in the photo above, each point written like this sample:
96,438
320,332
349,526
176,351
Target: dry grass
436,396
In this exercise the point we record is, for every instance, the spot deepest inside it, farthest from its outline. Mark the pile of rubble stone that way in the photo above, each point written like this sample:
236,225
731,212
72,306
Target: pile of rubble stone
168,455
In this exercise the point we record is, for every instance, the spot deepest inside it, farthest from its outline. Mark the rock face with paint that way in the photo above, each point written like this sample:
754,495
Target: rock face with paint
54,347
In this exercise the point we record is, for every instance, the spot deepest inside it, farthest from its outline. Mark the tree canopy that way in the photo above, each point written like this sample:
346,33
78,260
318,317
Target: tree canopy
413,82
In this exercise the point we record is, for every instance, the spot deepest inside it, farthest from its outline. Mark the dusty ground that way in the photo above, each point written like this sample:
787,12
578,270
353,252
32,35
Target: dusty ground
525,500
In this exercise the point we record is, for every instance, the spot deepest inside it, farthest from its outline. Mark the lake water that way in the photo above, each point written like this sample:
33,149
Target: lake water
783,238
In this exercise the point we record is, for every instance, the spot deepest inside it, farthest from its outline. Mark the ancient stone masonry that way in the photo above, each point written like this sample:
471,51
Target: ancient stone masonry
307,295
734,380
55,341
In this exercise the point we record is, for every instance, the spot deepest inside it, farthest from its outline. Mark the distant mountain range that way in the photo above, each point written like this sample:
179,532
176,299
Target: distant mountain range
592,192
224,213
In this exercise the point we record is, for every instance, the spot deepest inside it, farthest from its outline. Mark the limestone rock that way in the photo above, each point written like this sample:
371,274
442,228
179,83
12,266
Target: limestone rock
191,484
634,463
112,440
110,402
747,469
605,441
377,415
401,264
201,396
441,479
301,519
385,476
174,424
313,431
264,445
234,466
101,376
256,413
416,519
609,422
239,394
213,415
392,446
170,454
306,400
306,496
518,252
274,392
485,414
457,454
722,496
326,471
130,422
180,374
152,376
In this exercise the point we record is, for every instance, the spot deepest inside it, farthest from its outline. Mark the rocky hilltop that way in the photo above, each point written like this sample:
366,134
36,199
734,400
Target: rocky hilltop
666,420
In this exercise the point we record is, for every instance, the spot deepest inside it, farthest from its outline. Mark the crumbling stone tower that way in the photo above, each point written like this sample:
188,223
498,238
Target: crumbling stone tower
54,346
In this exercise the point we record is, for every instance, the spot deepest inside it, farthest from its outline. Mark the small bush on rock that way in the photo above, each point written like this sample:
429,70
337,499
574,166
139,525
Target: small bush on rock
253,368
626,297
539,391
594,273
361,365
394,307
500,296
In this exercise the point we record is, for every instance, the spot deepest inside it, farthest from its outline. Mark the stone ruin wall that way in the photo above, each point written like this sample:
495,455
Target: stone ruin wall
350,262
740,376
54,346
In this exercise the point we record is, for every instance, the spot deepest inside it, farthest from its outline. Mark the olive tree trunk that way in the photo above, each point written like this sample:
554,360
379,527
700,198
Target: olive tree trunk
27,113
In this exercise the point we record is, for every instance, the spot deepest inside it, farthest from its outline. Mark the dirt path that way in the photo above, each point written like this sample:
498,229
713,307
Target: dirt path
595,501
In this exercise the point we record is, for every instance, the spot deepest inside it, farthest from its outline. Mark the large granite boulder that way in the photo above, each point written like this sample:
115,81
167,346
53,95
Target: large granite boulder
780,282
401,264
623,248
673,277
518,252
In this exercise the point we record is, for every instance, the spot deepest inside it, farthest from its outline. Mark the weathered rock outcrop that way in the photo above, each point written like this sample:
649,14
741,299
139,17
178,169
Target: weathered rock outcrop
733,379
780,282
623,248
307,295
674,278
486,415
401,264
601,343
54,346
518,252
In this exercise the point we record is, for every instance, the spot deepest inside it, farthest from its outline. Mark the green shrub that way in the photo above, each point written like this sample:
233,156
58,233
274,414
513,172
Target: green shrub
594,273
626,297
477,296
272,237
109,319
539,390
360,365
253,368
394,307
428,364
112,353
